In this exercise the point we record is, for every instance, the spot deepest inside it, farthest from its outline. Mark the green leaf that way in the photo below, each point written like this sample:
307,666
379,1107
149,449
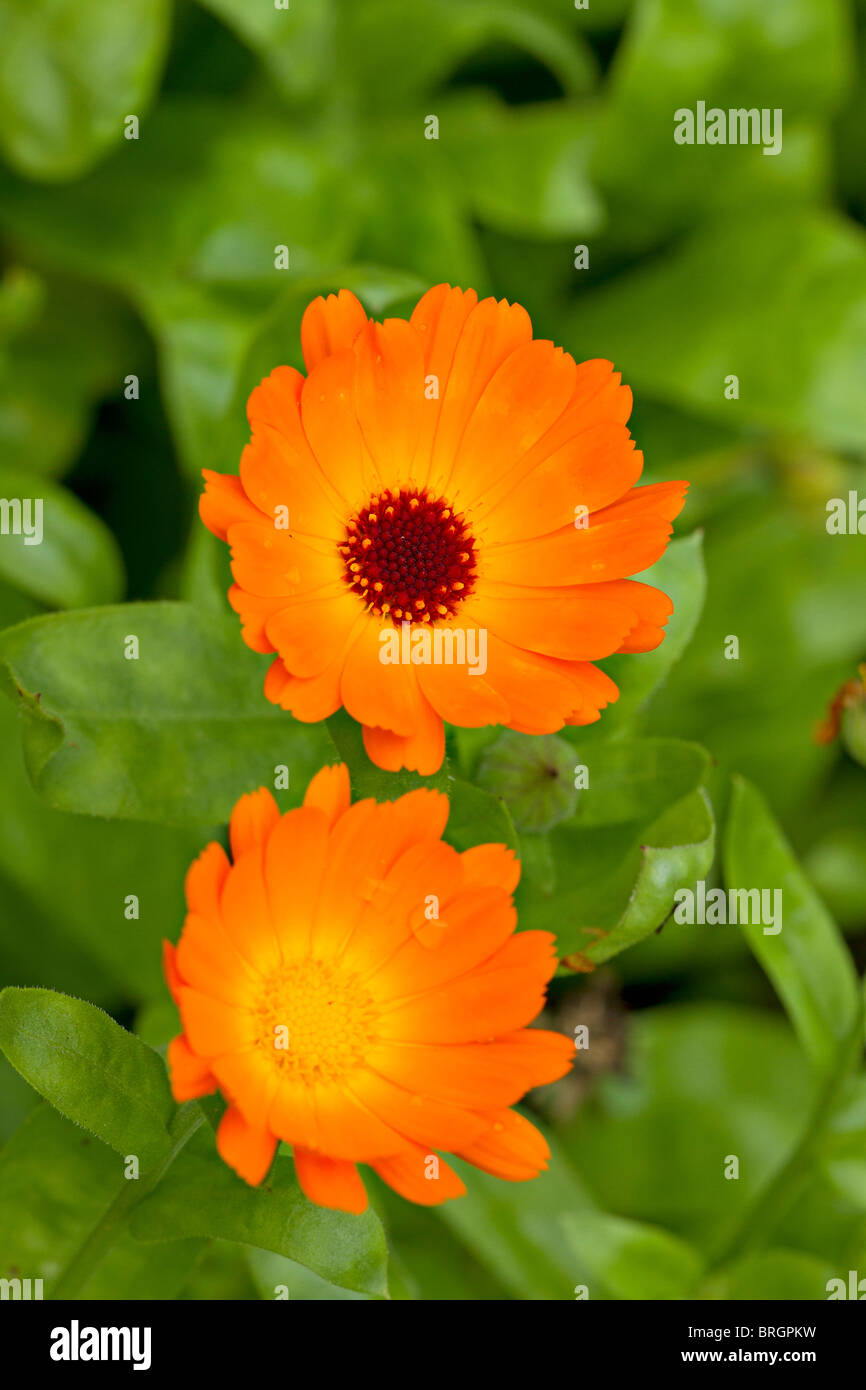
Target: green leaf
514,1229
62,344
69,877
772,1274
295,42
525,169
176,735
545,1238
70,558
808,272
200,1196
789,54
807,959
639,832
679,850
273,1273
90,1069
412,216
630,1260
697,1084
156,219
425,1260
59,1191
477,818
393,56
681,575
70,74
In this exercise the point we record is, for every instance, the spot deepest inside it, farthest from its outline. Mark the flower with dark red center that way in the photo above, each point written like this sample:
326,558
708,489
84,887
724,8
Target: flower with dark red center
449,476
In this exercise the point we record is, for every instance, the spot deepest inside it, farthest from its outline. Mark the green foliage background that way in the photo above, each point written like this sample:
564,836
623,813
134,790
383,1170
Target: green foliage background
155,258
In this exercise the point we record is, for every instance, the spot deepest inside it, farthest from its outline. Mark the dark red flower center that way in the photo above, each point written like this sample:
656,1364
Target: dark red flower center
409,556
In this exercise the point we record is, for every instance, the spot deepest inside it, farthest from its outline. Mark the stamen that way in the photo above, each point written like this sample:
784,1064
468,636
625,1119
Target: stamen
408,554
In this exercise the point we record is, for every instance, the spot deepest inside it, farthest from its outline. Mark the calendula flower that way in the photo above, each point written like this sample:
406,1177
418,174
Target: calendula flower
455,481
354,986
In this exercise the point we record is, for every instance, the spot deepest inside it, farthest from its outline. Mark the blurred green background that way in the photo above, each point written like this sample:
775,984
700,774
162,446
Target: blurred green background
154,258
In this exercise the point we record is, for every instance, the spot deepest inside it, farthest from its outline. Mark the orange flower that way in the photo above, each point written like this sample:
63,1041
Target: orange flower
448,472
332,1014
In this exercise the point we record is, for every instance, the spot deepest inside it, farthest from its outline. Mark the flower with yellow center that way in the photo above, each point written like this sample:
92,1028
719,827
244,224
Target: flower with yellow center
354,986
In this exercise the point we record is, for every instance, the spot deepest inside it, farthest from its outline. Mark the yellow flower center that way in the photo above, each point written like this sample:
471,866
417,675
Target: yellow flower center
316,1020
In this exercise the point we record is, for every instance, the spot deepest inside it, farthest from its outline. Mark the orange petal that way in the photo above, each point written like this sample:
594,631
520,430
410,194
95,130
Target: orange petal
252,821
436,1123
559,483
490,332
310,699
599,393
420,1177
329,790
651,608
348,869
542,692
248,1150
326,1117
330,325
475,923
421,751
311,632
273,564
295,861
504,993
388,396
334,434
190,1076
524,397
427,866
205,879
622,539
277,475
254,612
491,866
512,1148
224,502
246,913
374,693
209,961
559,622
214,1028
419,815
477,1075
329,1182
250,1080
276,404
460,693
